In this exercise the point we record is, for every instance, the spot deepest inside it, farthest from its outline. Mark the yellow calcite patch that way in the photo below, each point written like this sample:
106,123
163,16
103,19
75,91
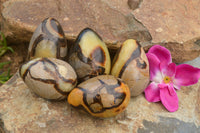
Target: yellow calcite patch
45,49
89,42
131,65
125,53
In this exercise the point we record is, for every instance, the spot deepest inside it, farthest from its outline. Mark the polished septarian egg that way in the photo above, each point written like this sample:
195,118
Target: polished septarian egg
49,78
101,96
89,56
132,66
48,40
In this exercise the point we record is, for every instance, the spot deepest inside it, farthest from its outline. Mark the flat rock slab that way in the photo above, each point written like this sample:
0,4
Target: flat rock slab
174,24
23,111
112,20
166,20
170,20
182,52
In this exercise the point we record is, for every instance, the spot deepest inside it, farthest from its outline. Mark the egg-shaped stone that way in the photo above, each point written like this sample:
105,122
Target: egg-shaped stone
48,40
49,78
101,96
89,55
131,65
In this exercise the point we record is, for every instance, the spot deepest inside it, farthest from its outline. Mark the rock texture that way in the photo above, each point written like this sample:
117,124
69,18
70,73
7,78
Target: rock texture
1,8
173,24
134,4
182,52
114,25
23,111
170,20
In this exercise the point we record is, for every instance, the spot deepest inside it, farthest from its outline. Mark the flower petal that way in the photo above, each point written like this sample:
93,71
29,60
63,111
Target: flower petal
168,70
186,75
169,97
162,53
152,92
154,67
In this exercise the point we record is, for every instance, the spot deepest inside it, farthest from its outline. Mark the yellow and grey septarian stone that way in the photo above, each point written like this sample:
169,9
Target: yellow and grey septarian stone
131,65
101,96
49,78
89,55
48,40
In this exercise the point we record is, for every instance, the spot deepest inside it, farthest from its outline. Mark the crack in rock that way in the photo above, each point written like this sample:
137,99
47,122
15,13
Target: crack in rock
2,127
134,4
197,42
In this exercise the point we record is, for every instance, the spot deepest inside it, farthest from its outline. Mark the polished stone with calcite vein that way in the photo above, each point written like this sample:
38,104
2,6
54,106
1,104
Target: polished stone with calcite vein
131,65
49,78
101,96
48,40
89,56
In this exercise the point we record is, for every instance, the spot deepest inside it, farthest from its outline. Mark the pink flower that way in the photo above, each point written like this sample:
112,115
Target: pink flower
166,77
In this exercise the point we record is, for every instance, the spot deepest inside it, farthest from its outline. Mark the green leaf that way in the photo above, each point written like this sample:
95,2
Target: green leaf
2,52
2,82
5,76
3,49
3,41
9,48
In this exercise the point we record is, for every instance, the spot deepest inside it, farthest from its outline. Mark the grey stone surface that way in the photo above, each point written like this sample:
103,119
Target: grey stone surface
23,111
169,125
195,62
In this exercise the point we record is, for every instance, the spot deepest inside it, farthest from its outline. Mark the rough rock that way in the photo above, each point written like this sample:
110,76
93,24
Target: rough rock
112,20
173,24
134,4
1,8
170,20
23,111
182,52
